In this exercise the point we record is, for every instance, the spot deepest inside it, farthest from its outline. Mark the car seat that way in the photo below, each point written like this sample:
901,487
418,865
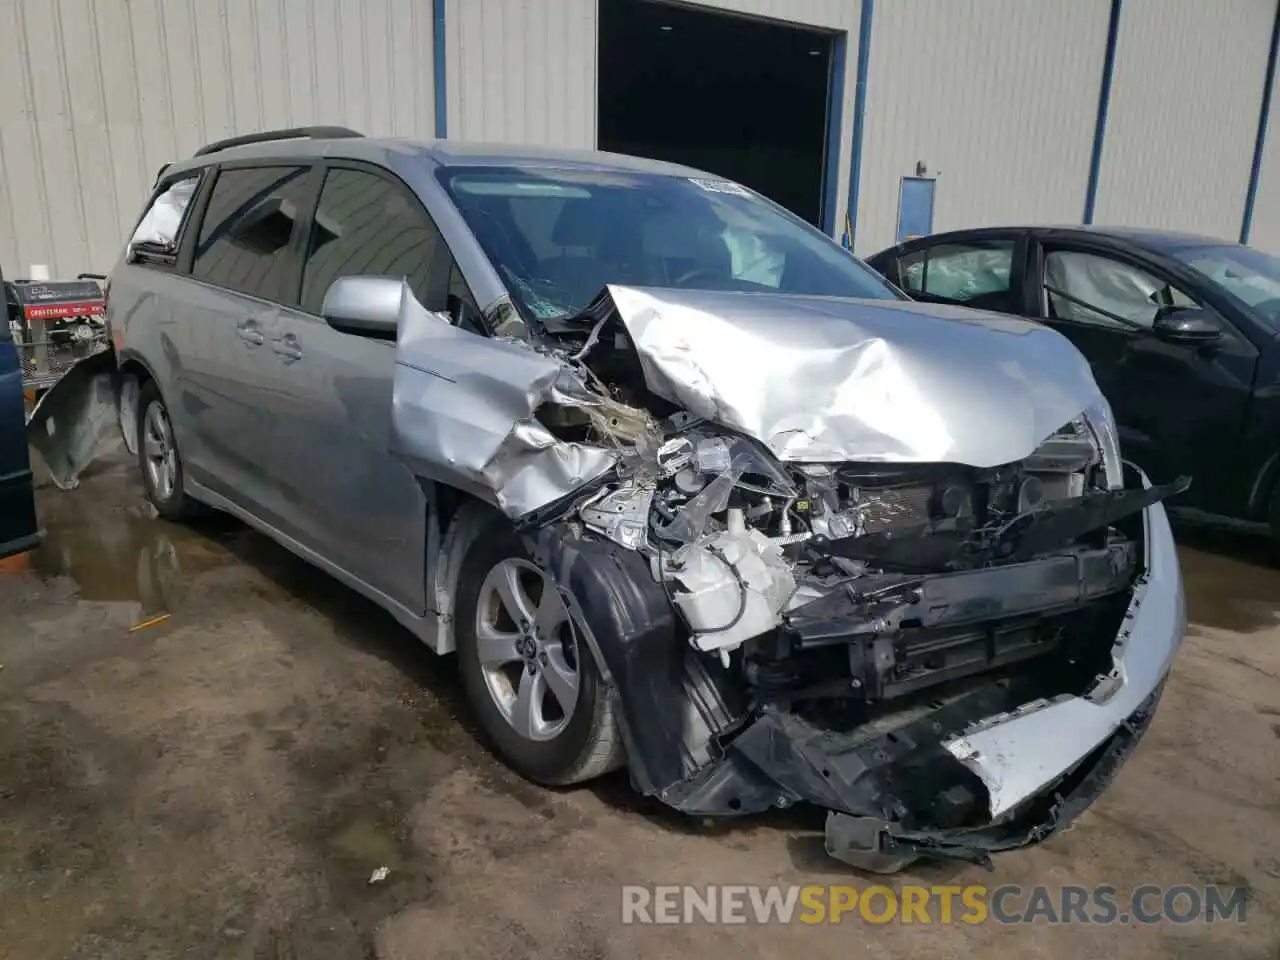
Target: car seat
598,247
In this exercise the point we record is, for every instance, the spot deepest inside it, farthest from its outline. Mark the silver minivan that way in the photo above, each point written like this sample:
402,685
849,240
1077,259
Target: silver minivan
685,486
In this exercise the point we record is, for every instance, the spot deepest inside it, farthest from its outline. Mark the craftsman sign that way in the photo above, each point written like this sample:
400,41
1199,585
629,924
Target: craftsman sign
64,300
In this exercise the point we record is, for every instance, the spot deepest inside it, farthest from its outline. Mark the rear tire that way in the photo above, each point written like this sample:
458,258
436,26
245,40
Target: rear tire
159,461
521,659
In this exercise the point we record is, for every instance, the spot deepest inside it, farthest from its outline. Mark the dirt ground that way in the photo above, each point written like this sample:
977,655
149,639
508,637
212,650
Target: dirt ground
224,782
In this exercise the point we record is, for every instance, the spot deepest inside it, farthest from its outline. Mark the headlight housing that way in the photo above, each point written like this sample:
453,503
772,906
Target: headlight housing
1102,427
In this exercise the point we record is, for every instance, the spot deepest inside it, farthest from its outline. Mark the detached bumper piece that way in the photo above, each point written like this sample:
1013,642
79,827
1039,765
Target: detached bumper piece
863,841
898,795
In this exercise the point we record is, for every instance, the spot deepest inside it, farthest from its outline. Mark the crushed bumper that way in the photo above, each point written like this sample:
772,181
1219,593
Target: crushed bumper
1020,755
1041,763
987,766
850,838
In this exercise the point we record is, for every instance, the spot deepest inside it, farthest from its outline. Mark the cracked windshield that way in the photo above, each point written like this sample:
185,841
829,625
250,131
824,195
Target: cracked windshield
558,238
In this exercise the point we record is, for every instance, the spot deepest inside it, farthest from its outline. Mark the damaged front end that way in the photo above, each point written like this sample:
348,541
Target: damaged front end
947,708
947,647
879,557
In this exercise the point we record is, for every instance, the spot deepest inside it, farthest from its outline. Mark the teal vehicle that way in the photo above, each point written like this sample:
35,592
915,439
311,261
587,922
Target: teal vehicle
19,529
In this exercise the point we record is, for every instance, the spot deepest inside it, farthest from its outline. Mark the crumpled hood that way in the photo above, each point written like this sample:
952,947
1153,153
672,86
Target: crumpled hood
826,379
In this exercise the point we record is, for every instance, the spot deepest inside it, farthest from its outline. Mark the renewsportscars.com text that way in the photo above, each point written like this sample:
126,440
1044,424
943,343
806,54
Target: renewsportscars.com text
933,904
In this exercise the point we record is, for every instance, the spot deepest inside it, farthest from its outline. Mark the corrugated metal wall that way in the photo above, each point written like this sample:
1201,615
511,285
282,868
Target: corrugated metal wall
1184,114
521,71
997,98
1266,207
96,94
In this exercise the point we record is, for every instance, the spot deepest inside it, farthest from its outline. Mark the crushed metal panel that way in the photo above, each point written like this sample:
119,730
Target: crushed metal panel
825,379
463,414
74,417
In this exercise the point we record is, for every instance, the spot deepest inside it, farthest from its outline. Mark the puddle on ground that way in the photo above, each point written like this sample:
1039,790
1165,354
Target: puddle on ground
368,845
118,553
1229,593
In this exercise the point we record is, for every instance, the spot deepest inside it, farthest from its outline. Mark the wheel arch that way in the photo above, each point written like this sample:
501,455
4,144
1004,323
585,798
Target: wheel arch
134,374
455,521
1264,488
130,363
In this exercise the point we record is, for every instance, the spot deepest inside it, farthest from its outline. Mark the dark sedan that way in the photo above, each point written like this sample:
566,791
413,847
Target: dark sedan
1183,333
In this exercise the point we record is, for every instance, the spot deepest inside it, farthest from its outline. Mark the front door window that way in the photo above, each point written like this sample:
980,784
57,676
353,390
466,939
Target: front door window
1092,288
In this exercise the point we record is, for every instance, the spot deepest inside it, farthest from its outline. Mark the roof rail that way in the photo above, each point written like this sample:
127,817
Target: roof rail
266,136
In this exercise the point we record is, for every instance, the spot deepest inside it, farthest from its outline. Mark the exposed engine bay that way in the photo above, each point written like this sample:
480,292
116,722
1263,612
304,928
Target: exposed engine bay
849,579
858,581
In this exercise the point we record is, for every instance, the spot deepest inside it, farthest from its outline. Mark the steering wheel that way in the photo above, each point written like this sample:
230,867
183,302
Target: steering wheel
710,273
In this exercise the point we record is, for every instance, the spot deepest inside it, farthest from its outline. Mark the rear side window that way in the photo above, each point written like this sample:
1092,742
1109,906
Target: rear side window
975,273
365,225
244,239
158,232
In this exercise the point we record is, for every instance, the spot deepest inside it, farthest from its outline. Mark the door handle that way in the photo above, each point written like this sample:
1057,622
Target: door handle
248,331
288,348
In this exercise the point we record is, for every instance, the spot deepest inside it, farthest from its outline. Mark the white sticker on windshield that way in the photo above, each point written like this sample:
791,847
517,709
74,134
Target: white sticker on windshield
720,186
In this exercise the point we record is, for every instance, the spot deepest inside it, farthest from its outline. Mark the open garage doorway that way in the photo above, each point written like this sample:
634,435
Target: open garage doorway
743,98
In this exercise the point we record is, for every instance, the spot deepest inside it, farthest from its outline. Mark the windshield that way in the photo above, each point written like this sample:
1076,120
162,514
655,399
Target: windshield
557,237
1249,275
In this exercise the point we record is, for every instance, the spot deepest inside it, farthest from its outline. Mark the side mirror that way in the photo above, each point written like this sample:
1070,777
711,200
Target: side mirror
1189,325
365,306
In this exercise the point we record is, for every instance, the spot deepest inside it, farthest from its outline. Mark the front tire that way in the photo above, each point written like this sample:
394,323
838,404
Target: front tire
527,672
159,461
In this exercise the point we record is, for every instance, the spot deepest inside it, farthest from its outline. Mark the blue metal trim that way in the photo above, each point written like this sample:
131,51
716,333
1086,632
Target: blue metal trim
859,117
1104,101
835,110
1260,145
439,63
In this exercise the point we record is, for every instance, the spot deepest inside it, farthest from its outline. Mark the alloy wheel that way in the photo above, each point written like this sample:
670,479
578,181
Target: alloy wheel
159,450
527,648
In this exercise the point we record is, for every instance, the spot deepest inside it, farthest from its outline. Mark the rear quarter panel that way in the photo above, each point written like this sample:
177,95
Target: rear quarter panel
148,311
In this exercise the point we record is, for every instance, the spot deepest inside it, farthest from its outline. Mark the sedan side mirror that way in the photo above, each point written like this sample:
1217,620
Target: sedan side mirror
366,306
1190,325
